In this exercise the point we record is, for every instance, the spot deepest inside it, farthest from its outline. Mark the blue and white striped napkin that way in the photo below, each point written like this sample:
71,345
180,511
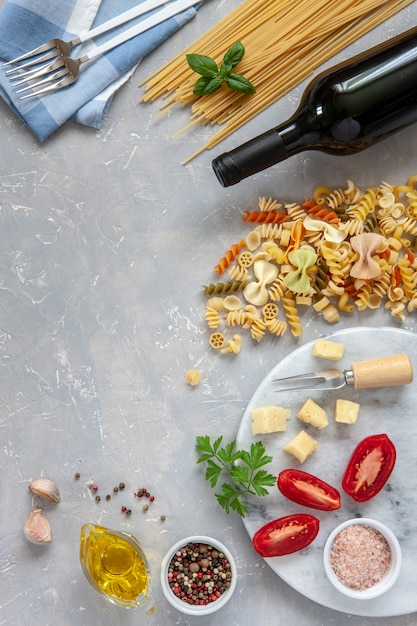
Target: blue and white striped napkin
25,24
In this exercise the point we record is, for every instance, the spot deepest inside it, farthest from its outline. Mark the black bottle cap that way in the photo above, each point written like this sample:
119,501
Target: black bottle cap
251,157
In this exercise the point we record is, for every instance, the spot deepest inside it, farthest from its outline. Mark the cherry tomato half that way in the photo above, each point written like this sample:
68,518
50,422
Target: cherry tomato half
369,467
308,490
286,535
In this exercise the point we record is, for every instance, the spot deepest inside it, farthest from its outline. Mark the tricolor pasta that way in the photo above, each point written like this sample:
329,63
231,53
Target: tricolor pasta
328,266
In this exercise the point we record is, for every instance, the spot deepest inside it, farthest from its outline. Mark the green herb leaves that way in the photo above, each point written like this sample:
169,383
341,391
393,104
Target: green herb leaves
213,77
241,467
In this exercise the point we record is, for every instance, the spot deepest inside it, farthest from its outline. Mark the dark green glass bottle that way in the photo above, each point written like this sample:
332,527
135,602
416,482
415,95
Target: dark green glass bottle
343,110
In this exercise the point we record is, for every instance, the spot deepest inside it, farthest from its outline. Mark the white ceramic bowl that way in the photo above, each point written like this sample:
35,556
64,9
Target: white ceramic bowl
196,609
382,585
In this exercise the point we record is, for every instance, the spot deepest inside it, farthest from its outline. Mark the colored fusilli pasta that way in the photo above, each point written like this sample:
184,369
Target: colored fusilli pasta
365,246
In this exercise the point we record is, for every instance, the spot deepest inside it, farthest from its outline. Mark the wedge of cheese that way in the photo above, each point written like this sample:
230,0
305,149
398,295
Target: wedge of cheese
346,412
312,413
330,350
302,446
269,419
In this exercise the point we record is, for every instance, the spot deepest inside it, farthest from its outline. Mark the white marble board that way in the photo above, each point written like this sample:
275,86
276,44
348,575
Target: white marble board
389,410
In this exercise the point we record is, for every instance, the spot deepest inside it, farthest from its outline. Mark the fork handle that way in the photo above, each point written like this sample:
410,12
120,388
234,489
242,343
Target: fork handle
141,9
169,11
389,371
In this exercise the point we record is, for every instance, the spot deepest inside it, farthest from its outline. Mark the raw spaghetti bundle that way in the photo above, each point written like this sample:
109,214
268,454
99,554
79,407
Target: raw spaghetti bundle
285,41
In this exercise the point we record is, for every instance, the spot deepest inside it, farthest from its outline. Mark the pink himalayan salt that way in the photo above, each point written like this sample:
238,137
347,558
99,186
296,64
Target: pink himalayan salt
360,556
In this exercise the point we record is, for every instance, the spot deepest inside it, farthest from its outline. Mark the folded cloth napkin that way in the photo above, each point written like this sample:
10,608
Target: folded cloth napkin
25,24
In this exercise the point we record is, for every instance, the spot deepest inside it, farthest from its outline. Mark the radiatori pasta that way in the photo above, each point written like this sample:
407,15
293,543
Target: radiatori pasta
350,268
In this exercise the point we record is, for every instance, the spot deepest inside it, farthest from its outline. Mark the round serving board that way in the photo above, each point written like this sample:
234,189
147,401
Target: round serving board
390,410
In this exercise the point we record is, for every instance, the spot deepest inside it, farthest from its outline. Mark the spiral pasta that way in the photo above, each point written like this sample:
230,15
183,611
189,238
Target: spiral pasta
365,246
291,313
238,273
408,277
257,329
212,318
265,217
269,231
277,327
268,204
321,212
230,286
237,318
229,257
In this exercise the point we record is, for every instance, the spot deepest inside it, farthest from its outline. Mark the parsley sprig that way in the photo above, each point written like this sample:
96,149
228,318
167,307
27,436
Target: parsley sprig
212,76
242,468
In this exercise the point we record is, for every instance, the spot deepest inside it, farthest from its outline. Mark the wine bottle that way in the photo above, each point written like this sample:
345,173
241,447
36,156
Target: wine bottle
343,110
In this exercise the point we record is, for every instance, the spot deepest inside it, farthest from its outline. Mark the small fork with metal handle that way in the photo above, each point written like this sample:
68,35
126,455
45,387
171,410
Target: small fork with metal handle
55,48
64,71
389,371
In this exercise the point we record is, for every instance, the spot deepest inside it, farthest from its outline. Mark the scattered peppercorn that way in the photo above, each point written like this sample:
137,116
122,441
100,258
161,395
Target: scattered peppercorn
199,574
163,518
142,492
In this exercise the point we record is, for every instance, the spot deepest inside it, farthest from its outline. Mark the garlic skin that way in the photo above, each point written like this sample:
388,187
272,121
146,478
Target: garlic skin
45,488
37,528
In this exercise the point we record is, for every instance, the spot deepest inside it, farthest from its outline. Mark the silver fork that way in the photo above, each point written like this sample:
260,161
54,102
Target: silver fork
64,70
56,48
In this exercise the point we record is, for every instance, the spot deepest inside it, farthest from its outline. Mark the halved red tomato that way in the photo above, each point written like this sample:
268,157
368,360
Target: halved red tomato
308,490
369,467
286,535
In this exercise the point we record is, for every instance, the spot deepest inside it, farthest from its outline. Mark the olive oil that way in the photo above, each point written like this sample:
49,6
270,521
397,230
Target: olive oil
115,565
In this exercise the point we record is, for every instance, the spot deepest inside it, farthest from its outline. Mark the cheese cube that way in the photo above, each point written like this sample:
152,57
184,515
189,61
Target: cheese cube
302,446
314,414
330,350
346,412
269,419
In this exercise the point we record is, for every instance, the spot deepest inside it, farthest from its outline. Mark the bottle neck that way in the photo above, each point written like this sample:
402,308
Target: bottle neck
300,132
274,146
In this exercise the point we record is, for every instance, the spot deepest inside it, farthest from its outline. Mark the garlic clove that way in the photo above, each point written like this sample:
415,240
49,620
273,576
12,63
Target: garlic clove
37,528
45,488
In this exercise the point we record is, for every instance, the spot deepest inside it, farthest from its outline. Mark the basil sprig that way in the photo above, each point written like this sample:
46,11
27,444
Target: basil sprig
212,77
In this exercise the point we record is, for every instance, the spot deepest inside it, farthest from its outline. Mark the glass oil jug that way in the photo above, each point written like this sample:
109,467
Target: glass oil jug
116,566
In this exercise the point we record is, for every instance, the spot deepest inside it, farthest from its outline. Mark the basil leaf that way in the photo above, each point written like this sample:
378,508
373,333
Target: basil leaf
203,65
213,85
232,57
212,77
239,83
206,85
200,86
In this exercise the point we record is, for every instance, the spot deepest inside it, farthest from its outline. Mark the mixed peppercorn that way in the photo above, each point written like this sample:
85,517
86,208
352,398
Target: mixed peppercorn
199,573
142,492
